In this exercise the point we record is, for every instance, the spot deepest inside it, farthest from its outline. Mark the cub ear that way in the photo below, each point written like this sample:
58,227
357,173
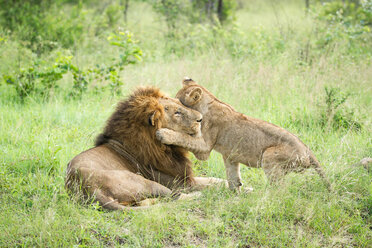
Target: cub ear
188,81
152,119
195,95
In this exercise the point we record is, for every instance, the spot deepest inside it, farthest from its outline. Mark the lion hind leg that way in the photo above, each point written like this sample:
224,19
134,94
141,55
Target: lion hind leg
113,204
108,202
117,189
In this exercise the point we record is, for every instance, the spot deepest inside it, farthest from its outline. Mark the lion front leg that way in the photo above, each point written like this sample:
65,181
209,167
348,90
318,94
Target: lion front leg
205,182
196,145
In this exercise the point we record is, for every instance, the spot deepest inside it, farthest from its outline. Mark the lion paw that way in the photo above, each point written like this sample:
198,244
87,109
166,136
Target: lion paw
148,202
189,196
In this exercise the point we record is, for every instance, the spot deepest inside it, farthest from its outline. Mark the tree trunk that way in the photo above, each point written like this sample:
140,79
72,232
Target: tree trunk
209,6
219,11
126,6
307,3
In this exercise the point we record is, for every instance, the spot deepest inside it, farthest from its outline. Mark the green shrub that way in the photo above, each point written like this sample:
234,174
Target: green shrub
348,13
129,53
113,13
333,112
42,24
41,79
346,27
37,80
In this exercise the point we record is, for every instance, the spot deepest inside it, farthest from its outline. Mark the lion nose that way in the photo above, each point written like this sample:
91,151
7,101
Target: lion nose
200,120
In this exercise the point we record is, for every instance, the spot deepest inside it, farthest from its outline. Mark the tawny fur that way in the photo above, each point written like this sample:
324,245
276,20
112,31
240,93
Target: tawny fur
152,168
240,139
130,123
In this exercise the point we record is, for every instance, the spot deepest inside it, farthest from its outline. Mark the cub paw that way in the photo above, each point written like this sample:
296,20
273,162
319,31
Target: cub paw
202,155
164,135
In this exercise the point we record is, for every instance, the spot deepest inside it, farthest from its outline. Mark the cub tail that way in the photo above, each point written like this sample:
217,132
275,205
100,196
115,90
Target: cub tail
316,165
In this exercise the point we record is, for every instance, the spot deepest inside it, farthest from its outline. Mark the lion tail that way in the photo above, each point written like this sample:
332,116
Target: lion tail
316,165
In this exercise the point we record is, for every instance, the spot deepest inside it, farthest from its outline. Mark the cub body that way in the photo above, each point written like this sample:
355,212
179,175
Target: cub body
240,139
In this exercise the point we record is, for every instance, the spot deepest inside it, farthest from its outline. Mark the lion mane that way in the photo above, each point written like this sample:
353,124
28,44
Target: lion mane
131,126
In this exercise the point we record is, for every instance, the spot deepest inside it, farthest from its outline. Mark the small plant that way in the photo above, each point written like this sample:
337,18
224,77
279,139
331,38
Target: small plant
23,82
130,52
113,14
80,83
334,114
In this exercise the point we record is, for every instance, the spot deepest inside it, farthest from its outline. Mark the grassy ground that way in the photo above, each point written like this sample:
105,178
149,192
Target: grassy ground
37,139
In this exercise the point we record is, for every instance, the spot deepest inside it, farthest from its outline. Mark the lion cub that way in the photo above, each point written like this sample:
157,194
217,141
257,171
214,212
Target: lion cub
240,139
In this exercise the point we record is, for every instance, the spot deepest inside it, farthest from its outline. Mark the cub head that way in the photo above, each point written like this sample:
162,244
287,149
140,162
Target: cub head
180,118
192,95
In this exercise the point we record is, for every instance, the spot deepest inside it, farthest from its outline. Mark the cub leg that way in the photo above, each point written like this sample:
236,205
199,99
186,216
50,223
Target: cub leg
196,145
233,174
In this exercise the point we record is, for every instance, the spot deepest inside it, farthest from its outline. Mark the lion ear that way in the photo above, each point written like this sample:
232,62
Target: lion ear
152,119
188,81
196,94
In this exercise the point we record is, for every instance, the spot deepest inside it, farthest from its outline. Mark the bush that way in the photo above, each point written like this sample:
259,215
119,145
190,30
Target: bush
348,13
37,79
41,79
42,24
333,112
345,23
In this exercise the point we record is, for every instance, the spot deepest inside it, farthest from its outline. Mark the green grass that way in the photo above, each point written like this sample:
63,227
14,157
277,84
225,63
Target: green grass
37,139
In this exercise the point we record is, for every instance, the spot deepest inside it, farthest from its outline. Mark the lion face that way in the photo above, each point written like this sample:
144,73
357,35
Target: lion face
180,118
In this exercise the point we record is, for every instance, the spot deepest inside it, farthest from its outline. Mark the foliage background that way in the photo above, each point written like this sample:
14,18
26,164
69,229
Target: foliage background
65,64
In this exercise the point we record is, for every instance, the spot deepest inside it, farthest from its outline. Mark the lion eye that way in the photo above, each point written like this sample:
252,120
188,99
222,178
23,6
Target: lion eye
177,113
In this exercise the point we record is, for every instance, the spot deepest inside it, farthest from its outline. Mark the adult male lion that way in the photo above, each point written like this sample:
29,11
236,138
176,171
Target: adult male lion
127,163
240,139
